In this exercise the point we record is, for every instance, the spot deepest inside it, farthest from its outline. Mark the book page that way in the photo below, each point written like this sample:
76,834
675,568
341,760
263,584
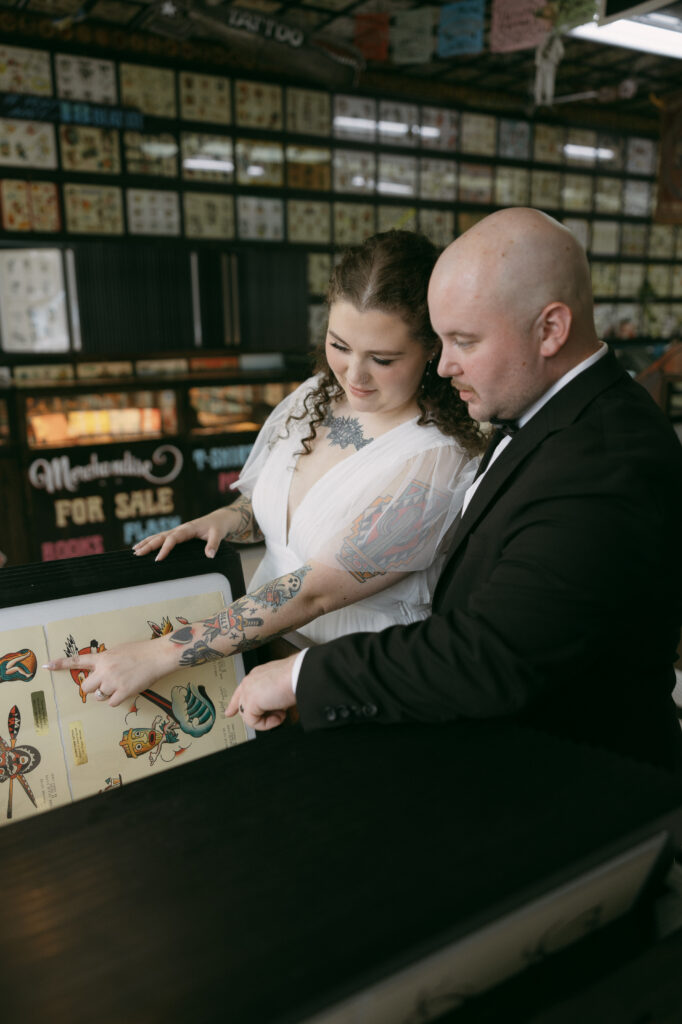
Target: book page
33,775
178,719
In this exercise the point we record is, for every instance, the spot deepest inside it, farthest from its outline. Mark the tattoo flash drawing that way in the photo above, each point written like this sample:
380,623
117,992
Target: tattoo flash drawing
79,675
18,665
389,533
190,710
345,431
16,761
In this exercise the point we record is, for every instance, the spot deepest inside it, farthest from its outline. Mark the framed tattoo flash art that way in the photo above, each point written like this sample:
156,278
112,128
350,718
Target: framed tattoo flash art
25,71
308,111
27,144
353,222
29,205
398,218
93,209
437,179
88,149
207,157
260,218
439,128
205,98
308,221
150,90
153,212
33,314
438,225
151,154
208,215
86,78
309,167
258,105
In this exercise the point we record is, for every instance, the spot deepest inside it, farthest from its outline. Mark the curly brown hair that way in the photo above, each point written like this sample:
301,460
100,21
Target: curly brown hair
390,272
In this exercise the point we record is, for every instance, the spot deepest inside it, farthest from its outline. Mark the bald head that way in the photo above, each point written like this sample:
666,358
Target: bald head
521,259
511,300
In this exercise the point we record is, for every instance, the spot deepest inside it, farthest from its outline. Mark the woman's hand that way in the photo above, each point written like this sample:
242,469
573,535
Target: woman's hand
264,695
123,671
211,528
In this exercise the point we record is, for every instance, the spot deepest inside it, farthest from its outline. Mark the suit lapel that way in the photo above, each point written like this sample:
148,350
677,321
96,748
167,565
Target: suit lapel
559,412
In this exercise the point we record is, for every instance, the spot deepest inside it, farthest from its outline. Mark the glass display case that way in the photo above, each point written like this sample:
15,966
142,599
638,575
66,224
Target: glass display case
61,421
234,408
97,455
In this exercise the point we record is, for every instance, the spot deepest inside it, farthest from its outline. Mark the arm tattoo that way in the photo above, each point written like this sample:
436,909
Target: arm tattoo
247,528
278,592
242,615
199,654
344,431
382,540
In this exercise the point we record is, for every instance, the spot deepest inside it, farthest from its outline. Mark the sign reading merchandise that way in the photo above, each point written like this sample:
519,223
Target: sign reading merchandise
103,499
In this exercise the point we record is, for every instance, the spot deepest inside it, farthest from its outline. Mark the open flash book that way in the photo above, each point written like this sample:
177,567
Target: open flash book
58,744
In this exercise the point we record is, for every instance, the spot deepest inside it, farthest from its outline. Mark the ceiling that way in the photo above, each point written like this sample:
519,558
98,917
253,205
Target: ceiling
594,83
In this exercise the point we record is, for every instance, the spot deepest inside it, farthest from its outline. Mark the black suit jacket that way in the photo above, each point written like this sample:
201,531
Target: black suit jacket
561,602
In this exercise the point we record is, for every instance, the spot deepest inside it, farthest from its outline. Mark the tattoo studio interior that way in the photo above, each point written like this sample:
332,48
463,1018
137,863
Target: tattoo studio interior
179,183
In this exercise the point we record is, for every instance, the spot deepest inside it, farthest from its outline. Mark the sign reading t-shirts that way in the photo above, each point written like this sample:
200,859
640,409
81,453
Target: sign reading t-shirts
213,466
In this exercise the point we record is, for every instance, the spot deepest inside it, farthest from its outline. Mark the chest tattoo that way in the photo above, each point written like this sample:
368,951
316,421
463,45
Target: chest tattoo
345,431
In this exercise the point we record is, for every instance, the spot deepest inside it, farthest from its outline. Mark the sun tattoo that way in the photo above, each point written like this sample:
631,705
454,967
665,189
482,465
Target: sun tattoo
345,431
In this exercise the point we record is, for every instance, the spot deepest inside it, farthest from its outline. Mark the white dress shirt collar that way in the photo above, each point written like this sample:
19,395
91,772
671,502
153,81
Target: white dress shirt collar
561,383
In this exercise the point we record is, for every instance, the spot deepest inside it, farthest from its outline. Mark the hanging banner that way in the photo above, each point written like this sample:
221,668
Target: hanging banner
371,35
517,25
669,204
412,36
460,29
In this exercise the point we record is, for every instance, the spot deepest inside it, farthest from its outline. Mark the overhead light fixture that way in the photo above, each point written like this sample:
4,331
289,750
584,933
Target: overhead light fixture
649,33
207,164
588,153
394,188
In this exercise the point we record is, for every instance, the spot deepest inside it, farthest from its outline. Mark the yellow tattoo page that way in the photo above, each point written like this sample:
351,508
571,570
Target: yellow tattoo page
59,744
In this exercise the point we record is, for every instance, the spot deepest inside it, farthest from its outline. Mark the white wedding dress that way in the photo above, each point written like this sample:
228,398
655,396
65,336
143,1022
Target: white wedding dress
389,506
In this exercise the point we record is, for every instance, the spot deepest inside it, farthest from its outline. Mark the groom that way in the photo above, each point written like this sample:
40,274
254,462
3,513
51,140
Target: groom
560,606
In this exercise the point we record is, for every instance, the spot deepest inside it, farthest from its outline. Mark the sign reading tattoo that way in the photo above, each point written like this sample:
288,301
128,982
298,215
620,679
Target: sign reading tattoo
390,532
345,431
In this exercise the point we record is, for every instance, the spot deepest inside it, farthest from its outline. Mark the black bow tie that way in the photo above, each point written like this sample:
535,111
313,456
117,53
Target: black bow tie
503,428
506,427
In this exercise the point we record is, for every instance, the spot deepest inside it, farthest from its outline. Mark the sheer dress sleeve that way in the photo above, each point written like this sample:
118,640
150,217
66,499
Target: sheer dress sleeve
399,518
272,430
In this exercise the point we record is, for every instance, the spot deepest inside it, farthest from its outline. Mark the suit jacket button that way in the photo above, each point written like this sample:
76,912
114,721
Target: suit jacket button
370,710
330,714
343,711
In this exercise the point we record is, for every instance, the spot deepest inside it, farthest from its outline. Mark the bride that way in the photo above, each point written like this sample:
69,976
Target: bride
354,483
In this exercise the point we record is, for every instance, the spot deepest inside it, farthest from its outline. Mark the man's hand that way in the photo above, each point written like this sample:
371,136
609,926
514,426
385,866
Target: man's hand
264,695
